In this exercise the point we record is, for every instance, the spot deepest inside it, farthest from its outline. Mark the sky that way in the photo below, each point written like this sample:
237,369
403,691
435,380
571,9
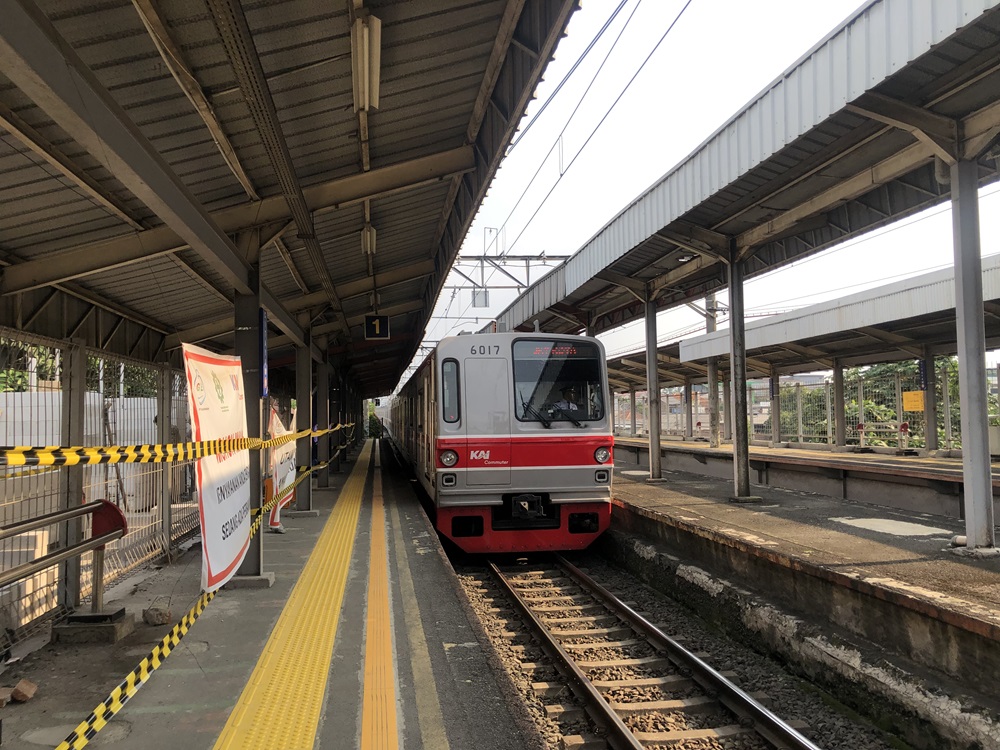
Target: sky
622,121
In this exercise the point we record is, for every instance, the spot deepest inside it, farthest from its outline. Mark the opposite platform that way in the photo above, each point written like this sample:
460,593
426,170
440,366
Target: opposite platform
851,575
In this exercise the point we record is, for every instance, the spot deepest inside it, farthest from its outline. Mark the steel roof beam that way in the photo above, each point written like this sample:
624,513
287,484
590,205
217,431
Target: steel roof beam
348,290
173,58
132,248
938,132
978,131
49,71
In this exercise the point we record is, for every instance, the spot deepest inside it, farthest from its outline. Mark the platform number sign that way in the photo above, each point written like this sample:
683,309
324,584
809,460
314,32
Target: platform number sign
376,327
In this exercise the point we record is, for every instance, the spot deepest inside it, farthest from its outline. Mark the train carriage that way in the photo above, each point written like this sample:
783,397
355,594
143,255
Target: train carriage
510,435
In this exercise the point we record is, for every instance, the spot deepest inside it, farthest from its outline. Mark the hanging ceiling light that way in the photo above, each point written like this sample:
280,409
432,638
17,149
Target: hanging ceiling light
366,61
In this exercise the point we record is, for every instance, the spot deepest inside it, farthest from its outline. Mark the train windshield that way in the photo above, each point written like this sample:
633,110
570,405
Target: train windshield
557,380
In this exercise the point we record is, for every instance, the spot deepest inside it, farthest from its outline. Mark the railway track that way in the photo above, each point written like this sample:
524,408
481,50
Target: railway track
639,687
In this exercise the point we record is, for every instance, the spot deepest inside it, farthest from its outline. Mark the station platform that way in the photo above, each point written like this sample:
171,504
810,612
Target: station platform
855,592
362,642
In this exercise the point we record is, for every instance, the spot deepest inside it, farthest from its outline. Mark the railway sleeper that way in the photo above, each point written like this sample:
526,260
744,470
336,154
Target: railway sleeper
582,607
565,712
698,705
608,618
678,736
582,742
668,682
539,600
604,644
650,662
596,632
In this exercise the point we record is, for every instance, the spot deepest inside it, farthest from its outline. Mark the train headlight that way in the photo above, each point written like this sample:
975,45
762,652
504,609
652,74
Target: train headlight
449,458
602,455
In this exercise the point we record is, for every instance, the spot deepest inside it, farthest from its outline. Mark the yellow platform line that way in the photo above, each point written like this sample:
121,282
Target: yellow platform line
281,704
378,715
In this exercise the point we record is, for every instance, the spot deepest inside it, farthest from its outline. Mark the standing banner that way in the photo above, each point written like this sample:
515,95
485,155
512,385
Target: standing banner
218,411
282,469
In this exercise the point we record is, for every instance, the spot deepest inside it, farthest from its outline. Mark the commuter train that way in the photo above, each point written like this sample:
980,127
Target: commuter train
510,435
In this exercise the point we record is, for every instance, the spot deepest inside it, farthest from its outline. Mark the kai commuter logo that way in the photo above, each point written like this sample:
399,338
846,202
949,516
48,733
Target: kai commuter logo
479,455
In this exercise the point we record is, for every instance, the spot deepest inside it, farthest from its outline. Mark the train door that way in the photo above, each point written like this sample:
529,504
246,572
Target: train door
487,420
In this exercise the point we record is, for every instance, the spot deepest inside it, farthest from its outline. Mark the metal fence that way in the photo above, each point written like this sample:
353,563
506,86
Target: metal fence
121,405
882,408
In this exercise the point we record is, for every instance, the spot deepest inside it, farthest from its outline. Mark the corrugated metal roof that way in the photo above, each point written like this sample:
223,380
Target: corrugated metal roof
911,298
764,178
453,86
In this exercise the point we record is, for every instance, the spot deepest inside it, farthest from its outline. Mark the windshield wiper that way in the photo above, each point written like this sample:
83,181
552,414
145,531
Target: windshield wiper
568,416
531,410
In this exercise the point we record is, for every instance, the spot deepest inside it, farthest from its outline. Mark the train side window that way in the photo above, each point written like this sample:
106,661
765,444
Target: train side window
449,391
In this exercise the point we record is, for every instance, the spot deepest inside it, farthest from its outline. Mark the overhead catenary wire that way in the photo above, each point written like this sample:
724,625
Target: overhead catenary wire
596,127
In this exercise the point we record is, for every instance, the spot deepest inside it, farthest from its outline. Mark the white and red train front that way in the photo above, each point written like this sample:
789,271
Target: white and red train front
522,443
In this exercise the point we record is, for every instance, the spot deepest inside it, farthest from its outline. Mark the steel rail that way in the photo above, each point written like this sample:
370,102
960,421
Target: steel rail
764,722
619,736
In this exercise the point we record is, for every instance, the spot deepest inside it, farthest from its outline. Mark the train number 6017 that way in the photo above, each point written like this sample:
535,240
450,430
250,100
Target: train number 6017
485,349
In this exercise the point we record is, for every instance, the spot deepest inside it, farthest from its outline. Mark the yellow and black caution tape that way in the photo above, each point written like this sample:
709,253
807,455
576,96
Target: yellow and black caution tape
128,687
23,455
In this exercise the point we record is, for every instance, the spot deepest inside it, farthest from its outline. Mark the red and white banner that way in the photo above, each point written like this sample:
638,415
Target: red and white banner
218,411
282,469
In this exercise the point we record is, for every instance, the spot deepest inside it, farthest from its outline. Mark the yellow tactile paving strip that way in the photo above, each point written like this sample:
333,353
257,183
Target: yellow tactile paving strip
281,705
378,715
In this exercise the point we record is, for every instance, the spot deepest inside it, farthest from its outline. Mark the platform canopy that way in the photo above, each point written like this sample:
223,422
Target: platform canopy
908,319
853,136
157,159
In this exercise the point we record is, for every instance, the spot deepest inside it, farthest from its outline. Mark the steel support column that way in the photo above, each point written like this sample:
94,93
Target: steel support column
713,377
688,410
738,356
839,404
653,390
775,388
248,348
631,396
727,405
165,418
977,483
322,418
74,392
930,403
303,421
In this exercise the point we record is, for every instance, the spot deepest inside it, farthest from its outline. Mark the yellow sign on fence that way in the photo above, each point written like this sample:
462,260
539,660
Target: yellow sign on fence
913,400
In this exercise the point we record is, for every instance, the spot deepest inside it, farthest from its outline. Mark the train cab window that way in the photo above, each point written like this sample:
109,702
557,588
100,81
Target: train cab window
558,381
449,391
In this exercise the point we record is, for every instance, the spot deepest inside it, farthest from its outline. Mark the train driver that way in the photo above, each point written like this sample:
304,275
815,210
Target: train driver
568,401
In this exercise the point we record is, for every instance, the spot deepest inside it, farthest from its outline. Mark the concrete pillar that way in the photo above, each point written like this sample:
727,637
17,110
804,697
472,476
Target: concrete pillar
612,410
248,348
738,356
977,482
930,402
653,391
839,405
